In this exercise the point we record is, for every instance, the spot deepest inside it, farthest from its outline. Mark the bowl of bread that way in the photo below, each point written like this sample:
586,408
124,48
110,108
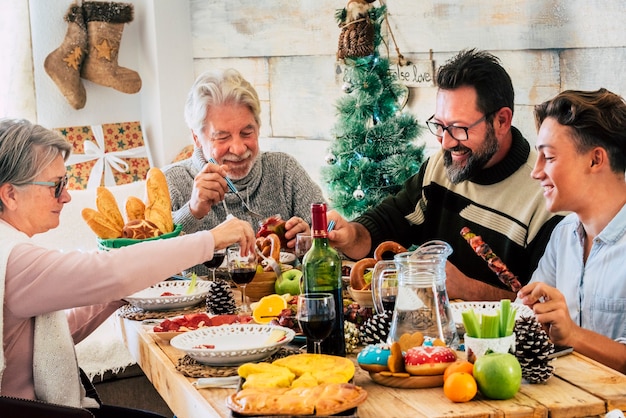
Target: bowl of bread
143,221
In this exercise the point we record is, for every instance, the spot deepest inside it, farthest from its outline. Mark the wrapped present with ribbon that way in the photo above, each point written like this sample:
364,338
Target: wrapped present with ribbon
106,155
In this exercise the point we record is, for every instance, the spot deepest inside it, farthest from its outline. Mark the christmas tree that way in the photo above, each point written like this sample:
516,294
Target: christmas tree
373,151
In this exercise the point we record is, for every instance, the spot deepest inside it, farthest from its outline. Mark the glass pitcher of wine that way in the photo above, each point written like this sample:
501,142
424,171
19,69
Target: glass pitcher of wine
422,302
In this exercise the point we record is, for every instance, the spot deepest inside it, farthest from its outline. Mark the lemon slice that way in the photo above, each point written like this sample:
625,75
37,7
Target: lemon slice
268,308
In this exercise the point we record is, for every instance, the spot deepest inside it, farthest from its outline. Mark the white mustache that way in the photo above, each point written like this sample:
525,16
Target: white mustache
235,158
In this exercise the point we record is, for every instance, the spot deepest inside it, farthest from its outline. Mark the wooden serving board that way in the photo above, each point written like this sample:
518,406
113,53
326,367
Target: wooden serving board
411,382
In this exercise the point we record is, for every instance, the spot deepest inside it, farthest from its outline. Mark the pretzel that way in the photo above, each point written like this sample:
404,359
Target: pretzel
357,281
270,247
387,247
493,261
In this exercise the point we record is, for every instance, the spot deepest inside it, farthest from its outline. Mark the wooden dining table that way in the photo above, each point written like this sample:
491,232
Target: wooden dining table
580,387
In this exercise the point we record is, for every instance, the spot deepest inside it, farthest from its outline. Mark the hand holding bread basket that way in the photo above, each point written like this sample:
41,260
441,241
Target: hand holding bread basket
144,220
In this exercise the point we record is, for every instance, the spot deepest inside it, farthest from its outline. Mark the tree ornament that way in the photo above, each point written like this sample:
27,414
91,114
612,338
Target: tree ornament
331,159
347,87
357,30
358,194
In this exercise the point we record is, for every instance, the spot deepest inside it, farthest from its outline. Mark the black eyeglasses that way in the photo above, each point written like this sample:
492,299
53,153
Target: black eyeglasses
58,185
457,132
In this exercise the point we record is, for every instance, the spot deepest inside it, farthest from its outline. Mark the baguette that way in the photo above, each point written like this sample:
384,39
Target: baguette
100,224
107,206
159,207
135,208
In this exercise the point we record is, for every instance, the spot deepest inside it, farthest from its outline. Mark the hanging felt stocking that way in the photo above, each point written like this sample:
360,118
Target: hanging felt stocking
63,65
105,24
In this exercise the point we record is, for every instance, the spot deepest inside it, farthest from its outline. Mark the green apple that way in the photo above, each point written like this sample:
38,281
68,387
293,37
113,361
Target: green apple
498,375
288,282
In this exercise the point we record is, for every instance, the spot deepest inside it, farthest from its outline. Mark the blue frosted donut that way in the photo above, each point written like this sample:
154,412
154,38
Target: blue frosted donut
373,358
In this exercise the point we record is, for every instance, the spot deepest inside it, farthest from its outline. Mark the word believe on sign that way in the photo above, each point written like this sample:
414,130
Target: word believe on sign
417,73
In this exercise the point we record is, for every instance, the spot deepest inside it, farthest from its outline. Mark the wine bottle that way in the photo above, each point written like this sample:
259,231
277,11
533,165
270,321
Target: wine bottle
321,266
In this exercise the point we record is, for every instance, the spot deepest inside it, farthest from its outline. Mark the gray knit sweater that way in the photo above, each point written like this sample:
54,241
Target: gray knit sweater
276,185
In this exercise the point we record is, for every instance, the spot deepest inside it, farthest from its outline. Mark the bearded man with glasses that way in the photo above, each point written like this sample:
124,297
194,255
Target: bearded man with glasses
479,179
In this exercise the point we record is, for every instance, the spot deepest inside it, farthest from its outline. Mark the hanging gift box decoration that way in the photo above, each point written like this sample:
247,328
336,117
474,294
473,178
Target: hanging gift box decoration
106,155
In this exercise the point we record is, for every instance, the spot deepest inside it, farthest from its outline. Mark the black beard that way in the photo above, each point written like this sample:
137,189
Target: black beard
476,161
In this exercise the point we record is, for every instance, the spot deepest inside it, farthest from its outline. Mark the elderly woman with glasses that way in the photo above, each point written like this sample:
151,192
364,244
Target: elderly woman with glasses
40,287
480,179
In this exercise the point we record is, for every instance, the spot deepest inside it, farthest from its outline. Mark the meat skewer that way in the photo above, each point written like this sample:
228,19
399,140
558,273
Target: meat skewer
494,262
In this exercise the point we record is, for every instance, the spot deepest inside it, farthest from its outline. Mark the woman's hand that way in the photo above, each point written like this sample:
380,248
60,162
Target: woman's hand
232,231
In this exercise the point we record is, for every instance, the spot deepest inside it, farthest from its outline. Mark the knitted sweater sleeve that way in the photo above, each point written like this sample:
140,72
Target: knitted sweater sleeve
387,220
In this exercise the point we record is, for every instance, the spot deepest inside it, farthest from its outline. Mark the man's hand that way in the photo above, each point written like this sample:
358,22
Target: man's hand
351,238
209,188
551,311
293,227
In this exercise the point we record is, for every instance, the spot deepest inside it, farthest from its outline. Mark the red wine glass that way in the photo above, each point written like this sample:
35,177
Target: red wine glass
242,269
215,262
316,315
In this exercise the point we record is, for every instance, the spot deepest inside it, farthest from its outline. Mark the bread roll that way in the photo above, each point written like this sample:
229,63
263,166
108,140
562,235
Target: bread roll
135,208
100,224
107,206
159,206
140,229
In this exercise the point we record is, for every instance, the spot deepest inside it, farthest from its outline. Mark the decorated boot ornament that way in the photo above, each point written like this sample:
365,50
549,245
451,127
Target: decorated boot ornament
63,65
105,24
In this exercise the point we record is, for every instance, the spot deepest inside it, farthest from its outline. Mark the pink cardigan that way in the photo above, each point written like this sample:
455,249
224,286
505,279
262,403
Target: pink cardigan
39,280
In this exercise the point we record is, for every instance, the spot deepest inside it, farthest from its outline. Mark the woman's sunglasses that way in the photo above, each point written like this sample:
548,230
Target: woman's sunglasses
58,186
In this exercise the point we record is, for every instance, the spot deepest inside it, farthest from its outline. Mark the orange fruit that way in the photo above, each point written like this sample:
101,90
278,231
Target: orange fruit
268,308
460,387
458,366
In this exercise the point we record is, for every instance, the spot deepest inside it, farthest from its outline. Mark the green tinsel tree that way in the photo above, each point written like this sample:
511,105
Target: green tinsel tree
373,151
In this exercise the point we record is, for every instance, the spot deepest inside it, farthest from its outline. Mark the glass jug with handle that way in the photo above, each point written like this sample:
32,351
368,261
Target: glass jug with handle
385,285
422,302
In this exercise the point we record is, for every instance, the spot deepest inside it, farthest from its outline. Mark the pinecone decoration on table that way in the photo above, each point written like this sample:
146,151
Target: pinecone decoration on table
376,329
220,300
532,348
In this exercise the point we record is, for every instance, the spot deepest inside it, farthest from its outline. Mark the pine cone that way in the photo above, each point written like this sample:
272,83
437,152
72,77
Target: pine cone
532,348
220,300
376,329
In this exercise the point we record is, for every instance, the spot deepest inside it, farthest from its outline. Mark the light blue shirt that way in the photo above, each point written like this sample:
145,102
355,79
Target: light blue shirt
596,291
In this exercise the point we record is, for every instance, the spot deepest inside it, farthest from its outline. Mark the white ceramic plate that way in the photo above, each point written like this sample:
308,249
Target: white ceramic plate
152,298
485,307
287,258
231,345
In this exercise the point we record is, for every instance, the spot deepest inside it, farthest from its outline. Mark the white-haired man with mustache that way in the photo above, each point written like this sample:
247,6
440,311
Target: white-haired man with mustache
479,179
223,113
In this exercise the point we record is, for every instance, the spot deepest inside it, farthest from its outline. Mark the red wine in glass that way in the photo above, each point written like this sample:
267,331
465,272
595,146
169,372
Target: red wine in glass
389,302
215,262
242,275
317,328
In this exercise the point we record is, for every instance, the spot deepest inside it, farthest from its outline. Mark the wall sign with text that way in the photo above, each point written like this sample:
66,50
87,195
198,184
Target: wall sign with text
417,73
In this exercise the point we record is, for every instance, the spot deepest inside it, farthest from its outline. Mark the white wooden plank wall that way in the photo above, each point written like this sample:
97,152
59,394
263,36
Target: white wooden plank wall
287,48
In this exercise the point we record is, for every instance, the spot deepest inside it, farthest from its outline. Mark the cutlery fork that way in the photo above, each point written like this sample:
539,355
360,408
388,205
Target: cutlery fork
233,189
